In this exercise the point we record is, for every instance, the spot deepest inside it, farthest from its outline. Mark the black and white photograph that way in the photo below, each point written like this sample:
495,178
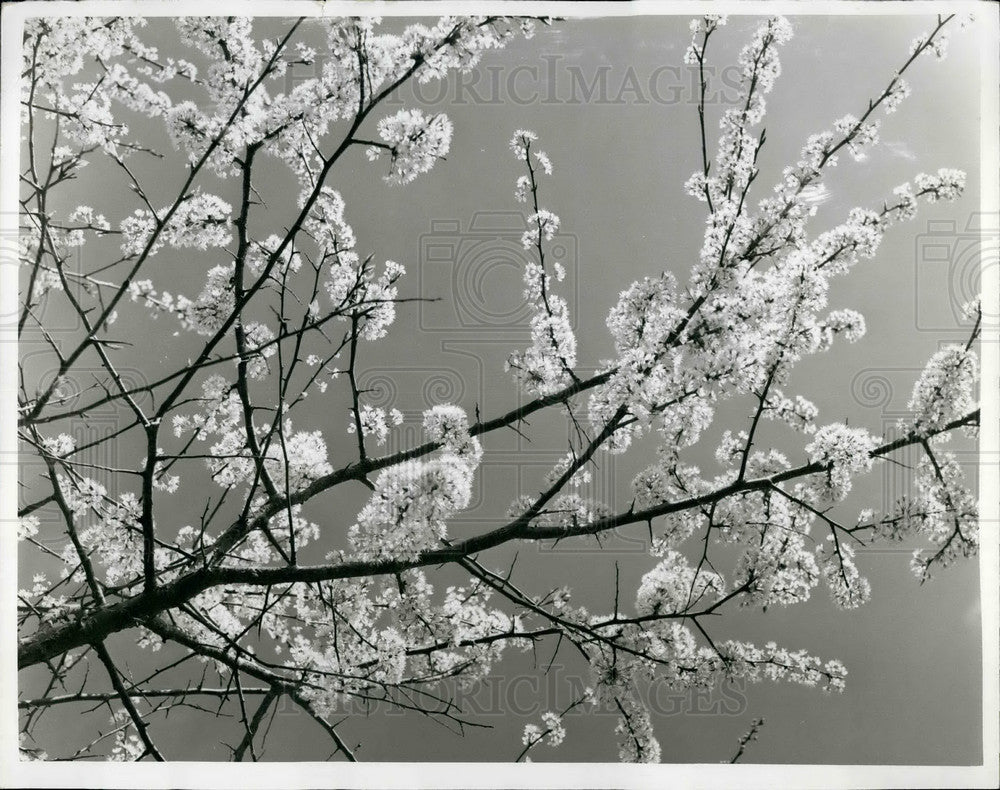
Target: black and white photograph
499,394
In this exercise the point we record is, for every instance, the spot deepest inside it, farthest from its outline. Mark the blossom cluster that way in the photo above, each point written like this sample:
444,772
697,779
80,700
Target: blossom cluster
845,451
945,389
547,364
415,142
411,502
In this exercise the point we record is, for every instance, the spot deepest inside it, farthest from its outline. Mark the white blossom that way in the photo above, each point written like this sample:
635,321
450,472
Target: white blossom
845,450
415,142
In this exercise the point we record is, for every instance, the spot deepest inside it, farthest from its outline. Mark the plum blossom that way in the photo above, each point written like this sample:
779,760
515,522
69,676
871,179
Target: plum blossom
373,423
200,222
411,503
673,586
547,364
27,527
946,184
848,588
845,450
415,142
945,389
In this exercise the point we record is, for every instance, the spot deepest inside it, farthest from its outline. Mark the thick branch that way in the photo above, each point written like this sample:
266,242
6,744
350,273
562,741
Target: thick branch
47,643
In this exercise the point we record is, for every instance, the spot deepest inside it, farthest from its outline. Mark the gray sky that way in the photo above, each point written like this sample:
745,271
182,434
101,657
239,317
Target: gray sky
913,694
